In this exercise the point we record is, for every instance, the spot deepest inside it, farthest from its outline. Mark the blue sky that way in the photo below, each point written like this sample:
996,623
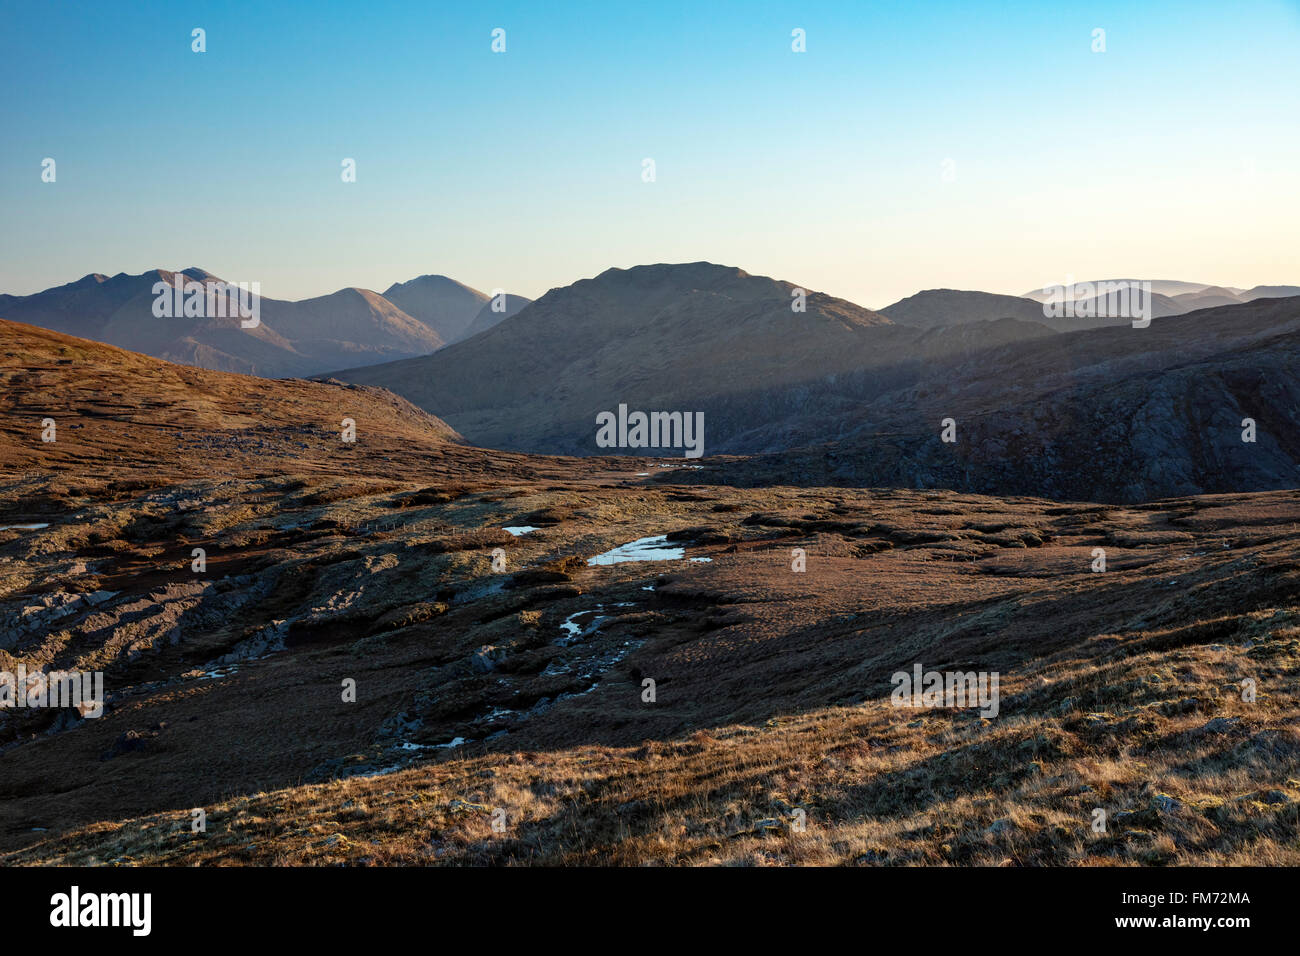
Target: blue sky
1174,154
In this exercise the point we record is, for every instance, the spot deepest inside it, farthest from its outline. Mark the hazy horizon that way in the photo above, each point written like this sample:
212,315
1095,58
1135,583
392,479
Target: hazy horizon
1023,293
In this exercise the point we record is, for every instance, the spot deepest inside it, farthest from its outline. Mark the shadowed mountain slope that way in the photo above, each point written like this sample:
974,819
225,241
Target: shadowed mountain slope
1116,414
692,337
487,318
936,308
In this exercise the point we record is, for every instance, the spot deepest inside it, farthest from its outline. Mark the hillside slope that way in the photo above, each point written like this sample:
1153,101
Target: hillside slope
117,412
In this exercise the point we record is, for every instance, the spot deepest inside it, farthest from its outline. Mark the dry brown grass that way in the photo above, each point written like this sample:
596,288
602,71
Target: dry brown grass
877,784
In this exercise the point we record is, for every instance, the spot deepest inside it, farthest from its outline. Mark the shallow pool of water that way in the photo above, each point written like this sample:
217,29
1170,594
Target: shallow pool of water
643,549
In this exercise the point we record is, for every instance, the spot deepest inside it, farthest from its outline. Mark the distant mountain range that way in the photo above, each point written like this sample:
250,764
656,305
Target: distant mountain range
293,339
814,388
355,328
691,337
937,308
1186,292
